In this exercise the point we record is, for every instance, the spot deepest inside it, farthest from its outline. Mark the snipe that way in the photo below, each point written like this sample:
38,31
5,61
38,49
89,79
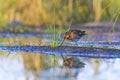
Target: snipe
73,35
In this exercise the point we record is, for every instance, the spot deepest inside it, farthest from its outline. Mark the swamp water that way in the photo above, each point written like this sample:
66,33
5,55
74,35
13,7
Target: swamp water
25,65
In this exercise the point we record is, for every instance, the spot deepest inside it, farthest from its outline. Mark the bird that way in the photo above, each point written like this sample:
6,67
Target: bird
73,62
73,35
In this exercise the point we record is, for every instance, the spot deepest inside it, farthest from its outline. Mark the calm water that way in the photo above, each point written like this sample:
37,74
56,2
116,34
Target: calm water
12,68
24,66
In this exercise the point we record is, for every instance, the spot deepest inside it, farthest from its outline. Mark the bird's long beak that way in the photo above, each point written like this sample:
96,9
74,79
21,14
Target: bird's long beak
61,45
62,42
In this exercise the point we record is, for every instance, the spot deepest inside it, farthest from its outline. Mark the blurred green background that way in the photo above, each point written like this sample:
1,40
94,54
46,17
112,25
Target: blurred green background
40,12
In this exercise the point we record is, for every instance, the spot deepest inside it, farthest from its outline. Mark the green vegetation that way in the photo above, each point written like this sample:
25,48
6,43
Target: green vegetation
40,12
54,40
57,31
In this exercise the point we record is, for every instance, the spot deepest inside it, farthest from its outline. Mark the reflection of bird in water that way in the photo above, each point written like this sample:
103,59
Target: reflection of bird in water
73,62
73,35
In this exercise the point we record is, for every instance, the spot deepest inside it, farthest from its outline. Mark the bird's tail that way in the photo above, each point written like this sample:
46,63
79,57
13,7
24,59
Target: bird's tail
84,32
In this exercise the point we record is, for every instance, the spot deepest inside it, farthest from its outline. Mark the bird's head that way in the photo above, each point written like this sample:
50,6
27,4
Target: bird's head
66,35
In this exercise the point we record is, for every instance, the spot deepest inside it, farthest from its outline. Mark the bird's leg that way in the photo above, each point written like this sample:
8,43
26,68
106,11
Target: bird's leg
8,53
76,43
63,57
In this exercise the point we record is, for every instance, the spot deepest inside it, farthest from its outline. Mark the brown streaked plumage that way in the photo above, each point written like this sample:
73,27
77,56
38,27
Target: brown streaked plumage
73,35
73,62
68,62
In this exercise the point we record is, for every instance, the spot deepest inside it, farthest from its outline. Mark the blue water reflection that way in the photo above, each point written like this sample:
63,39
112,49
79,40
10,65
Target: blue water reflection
12,67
